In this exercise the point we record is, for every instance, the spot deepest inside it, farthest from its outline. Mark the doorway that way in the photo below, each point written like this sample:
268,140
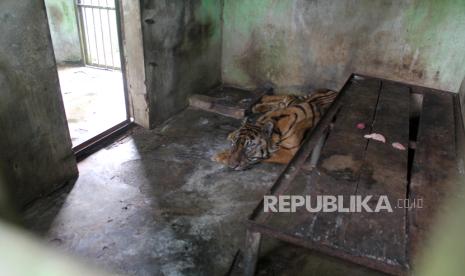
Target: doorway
87,44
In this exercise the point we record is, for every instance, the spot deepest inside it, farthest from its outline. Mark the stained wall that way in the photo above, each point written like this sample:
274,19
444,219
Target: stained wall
64,30
318,43
35,147
182,52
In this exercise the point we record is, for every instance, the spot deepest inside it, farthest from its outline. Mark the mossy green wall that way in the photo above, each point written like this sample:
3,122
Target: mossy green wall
319,43
64,30
182,51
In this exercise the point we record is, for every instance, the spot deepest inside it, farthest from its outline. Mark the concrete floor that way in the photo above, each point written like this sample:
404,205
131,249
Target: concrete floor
94,100
153,203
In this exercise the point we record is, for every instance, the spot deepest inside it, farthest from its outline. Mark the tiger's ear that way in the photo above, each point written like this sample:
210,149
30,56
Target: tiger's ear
245,121
231,136
268,128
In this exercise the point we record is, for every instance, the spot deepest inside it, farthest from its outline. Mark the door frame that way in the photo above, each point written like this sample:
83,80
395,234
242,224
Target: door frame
97,142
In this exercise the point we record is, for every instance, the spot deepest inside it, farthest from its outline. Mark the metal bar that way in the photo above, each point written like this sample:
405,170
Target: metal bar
95,36
400,269
109,33
103,39
88,51
90,146
96,7
97,66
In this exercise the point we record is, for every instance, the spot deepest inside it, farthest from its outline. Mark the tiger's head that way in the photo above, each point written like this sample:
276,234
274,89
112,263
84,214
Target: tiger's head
250,144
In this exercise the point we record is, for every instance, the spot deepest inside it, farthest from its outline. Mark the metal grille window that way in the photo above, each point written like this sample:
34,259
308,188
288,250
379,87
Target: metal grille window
98,24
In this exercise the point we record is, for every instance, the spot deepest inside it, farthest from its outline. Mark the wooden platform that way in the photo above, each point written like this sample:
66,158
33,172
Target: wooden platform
230,102
350,165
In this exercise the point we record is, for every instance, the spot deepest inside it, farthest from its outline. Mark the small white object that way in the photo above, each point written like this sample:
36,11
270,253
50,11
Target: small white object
398,146
376,137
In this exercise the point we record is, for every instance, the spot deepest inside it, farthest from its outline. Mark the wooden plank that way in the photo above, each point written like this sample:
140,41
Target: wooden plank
434,169
338,169
228,101
341,160
382,236
211,104
350,164
287,176
325,249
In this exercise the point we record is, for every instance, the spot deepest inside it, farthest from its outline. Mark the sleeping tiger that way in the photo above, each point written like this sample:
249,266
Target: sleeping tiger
277,134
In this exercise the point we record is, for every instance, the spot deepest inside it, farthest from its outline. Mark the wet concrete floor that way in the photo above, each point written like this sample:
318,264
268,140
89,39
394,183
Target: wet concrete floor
153,203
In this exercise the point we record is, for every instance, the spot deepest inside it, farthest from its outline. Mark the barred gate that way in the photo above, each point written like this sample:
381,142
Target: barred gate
99,33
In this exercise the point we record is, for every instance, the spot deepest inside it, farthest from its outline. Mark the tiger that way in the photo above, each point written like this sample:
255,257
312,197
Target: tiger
276,135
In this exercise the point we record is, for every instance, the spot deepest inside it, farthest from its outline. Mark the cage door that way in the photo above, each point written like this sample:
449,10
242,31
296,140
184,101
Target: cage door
99,33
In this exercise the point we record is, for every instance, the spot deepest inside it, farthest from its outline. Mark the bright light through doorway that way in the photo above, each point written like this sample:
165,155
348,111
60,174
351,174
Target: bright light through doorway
86,43
94,100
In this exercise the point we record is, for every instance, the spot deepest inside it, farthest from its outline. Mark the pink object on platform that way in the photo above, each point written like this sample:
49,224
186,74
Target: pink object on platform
375,136
361,126
398,146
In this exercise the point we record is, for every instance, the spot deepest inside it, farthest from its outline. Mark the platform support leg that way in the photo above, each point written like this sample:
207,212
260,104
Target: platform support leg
252,249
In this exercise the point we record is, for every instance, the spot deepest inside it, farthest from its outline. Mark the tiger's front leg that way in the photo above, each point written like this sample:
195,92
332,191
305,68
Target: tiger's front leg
273,102
282,156
222,157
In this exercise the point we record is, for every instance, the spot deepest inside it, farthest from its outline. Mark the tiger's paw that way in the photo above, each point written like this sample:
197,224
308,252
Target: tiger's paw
260,108
222,157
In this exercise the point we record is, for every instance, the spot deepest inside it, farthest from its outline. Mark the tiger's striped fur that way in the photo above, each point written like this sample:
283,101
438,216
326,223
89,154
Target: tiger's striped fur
274,102
276,135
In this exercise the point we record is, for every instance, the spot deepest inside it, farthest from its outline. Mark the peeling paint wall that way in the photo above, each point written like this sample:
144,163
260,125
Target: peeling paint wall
318,43
182,50
64,30
35,147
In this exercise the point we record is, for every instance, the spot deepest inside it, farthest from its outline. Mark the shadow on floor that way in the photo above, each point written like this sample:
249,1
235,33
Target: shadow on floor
46,209
153,203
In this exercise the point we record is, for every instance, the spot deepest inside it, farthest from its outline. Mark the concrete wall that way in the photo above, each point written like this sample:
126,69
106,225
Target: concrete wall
131,30
182,50
319,43
64,30
35,146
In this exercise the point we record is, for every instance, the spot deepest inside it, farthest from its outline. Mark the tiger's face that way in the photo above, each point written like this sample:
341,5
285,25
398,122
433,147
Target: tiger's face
250,144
